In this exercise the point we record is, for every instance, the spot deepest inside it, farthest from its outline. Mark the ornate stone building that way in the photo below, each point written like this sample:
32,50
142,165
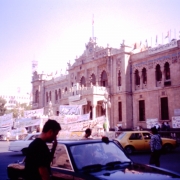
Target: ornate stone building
128,85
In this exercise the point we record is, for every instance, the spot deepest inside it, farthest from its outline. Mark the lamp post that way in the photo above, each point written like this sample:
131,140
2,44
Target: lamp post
50,109
106,105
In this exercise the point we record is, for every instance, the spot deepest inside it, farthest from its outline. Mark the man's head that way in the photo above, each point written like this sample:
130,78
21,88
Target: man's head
154,130
88,132
51,129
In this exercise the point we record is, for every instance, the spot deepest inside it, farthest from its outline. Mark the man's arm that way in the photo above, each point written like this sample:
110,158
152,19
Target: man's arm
53,149
44,173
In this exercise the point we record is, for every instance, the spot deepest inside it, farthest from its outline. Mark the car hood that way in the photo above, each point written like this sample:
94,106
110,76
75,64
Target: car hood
137,171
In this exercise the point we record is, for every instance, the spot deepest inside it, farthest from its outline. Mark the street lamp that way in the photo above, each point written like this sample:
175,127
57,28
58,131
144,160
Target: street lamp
50,109
106,105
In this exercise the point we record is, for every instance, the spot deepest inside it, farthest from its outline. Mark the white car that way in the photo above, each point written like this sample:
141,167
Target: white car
22,145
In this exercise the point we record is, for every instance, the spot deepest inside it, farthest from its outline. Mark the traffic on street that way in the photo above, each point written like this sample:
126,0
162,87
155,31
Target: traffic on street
168,161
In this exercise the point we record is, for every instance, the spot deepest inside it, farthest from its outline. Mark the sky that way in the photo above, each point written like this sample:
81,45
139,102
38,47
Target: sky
54,32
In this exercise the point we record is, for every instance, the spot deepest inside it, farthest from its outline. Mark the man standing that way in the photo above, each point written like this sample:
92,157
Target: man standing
156,146
39,157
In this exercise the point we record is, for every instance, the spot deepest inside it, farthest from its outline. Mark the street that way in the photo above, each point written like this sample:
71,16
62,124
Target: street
168,161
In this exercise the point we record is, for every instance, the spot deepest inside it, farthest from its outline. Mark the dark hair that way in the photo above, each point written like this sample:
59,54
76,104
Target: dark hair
51,125
105,139
154,130
88,131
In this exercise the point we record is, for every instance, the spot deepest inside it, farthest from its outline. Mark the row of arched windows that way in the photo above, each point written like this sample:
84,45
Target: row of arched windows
57,95
103,80
158,74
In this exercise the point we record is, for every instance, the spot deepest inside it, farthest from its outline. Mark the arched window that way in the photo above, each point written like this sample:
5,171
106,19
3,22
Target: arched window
119,78
56,95
37,96
167,71
93,79
59,93
50,96
144,76
104,80
65,90
83,81
158,73
47,97
137,78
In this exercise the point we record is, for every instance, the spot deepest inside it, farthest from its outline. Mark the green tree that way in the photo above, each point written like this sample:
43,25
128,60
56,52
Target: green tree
18,110
2,106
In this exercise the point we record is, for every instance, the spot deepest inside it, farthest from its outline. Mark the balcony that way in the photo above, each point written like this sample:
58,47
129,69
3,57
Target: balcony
167,82
98,90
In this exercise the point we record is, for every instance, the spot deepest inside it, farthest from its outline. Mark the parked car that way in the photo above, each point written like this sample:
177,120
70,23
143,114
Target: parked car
95,159
139,141
22,145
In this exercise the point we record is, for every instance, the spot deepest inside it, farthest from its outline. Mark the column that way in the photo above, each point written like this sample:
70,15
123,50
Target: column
94,111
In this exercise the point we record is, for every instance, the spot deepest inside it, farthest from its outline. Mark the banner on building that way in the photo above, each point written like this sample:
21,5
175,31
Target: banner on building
17,132
151,122
6,120
68,119
83,125
80,102
34,113
176,122
4,130
27,122
70,109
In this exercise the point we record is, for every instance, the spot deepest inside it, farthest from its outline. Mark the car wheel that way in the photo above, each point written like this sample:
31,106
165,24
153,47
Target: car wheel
24,151
167,148
129,149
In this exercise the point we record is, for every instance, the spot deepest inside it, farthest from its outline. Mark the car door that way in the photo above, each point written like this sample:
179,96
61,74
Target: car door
61,167
147,138
136,140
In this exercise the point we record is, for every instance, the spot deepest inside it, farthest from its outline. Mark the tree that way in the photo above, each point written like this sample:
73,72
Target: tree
2,106
18,110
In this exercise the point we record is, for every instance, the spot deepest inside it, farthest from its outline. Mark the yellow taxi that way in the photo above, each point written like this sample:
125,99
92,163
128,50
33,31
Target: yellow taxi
139,141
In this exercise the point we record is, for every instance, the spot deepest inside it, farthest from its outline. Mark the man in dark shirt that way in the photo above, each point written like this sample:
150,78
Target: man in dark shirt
39,157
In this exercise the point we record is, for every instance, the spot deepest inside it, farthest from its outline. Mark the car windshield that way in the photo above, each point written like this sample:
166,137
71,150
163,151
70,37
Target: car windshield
97,154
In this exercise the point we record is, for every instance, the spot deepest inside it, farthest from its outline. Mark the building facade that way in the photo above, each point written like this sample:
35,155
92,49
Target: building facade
127,85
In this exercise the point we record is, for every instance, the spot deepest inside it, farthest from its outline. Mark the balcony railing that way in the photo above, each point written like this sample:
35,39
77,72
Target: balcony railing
99,90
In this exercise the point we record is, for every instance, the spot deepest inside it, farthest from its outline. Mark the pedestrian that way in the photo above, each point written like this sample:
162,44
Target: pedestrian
163,126
39,157
87,133
156,146
167,126
8,136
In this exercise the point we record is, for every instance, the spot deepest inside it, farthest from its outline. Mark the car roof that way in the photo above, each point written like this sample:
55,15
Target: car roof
136,131
79,141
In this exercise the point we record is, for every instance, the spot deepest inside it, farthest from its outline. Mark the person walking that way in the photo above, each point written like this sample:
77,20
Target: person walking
39,157
156,146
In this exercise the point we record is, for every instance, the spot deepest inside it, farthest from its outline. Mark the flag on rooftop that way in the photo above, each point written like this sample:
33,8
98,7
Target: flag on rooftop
167,36
146,43
156,39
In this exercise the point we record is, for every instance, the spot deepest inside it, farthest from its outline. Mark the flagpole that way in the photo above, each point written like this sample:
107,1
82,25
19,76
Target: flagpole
93,27
162,38
174,33
151,42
